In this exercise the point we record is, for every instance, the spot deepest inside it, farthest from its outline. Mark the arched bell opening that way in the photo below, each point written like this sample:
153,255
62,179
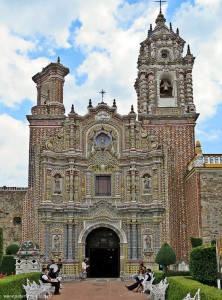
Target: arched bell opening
166,88
103,251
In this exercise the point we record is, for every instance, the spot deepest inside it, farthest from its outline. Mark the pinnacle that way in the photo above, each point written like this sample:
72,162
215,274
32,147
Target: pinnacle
160,19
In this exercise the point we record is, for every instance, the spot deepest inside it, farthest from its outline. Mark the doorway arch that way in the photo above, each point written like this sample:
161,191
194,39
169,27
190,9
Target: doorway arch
103,250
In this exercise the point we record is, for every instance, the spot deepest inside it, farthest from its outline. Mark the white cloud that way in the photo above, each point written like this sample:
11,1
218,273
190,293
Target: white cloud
16,69
13,151
200,27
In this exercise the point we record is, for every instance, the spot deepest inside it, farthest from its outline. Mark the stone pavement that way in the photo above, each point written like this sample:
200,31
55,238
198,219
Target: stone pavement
98,289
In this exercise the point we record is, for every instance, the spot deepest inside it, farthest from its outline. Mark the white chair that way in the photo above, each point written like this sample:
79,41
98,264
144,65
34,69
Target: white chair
32,293
147,285
197,295
158,291
47,289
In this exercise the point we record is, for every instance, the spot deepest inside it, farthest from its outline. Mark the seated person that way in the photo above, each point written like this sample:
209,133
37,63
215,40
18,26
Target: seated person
148,276
46,279
52,274
141,272
136,285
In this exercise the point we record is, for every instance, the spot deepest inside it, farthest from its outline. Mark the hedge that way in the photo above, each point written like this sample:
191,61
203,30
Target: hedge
12,285
8,265
203,264
179,287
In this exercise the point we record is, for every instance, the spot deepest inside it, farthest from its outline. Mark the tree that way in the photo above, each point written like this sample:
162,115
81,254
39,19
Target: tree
12,249
1,245
166,256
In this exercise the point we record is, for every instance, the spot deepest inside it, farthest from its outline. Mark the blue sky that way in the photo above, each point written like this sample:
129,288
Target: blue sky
98,40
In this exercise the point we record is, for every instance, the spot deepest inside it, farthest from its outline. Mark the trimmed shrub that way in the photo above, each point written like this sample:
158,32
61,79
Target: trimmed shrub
213,242
171,273
196,242
1,245
179,287
159,275
8,265
12,249
12,285
203,264
166,256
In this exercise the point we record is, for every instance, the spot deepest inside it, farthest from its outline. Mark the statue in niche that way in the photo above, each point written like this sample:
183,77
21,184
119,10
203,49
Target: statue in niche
147,243
56,243
102,141
146,182
165,88
57,187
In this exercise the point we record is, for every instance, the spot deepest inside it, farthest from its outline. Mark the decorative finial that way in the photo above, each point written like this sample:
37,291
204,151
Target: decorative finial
160,2
90,103
102,92
72,109
58,60
198,149
177,31
151,27
188,50
114,103
132,110
171,26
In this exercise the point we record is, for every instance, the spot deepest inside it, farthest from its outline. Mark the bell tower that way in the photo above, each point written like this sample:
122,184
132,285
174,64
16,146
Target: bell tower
166,110
165,75
49,84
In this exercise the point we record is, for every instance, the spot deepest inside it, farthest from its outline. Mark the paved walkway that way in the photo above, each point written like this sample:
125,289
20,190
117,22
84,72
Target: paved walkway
97,289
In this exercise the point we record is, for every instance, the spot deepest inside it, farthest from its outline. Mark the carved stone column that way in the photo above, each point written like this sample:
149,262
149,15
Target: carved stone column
72,136
133,183
76,241
47,241
70,242
156,238
88,184
134,241
132,133
117,183
65,241
139,241
129,241
71,185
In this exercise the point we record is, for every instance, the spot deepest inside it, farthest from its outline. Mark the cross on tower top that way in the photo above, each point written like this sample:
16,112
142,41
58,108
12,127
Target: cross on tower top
102,92
160,1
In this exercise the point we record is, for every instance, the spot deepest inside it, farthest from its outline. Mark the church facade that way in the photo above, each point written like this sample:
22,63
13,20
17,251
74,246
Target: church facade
113,188
108,186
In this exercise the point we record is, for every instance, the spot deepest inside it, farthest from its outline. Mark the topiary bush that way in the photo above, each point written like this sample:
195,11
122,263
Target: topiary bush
166,256
196,242
203,264
8,265
11,249
1,245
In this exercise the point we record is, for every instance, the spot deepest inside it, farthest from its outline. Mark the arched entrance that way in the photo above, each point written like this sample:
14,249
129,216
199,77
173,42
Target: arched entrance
103,251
